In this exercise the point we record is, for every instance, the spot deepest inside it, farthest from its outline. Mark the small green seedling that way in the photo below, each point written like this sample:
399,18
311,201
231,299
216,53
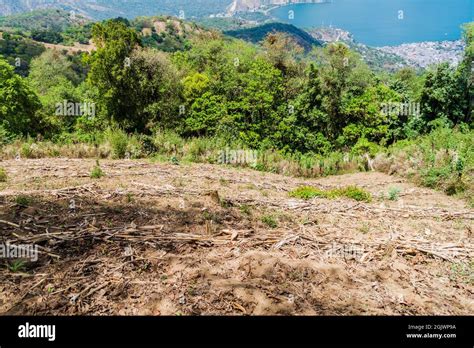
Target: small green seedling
269,221
17,266
97,172
23,201
394,193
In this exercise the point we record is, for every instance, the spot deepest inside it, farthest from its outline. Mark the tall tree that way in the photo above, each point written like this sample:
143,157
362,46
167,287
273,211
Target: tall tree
444,96
111,71
54,79
466,71
18,103
156,90
335,75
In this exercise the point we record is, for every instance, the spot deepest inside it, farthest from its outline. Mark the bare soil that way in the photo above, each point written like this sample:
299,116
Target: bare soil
162,239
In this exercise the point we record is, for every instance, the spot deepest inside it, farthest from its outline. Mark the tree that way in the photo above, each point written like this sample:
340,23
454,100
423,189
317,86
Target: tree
54,80
18,103
19,51
255,109
304,120
466,72
206,113
365,117
49,36
448,94
156,91
205,108
408,84
335,75
342,76
284,53
281,51
444,96
110,69
50,68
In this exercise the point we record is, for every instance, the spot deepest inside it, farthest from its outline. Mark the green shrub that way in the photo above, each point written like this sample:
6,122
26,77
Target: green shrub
97,171
363,146
168,143
270,221
5,136
455,186
355,193
352,192
198,149
394,193
246,209
307,192
459,166
135,147
443,160
434,177
23,201
3,175
26,151
119,142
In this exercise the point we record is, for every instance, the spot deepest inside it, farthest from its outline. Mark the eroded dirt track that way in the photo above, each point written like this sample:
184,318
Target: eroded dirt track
159,239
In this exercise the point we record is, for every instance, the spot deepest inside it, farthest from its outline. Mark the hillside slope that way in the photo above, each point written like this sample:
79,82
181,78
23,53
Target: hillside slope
258,33
51,19
160,239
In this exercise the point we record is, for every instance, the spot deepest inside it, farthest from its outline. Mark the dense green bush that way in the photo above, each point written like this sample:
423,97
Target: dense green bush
119,142
442,159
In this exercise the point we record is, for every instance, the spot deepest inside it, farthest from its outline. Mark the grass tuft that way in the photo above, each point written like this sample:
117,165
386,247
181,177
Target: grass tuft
352,192
17,266
270,221
394,193
23,201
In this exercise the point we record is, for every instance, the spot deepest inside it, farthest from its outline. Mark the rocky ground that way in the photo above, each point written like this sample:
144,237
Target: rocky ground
163,239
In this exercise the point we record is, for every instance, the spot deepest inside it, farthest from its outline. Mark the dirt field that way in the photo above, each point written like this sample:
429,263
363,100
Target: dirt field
163,239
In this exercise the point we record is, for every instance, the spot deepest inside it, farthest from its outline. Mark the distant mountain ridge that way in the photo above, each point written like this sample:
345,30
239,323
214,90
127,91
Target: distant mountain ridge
11,7
101,9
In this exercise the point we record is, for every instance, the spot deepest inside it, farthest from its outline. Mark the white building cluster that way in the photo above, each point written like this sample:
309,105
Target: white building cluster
424,54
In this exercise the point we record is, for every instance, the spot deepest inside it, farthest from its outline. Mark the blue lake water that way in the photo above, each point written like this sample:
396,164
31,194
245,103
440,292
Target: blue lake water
385,22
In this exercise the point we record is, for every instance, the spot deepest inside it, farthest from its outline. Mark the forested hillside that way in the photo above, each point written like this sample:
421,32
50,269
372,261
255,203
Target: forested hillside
157,80
50,26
